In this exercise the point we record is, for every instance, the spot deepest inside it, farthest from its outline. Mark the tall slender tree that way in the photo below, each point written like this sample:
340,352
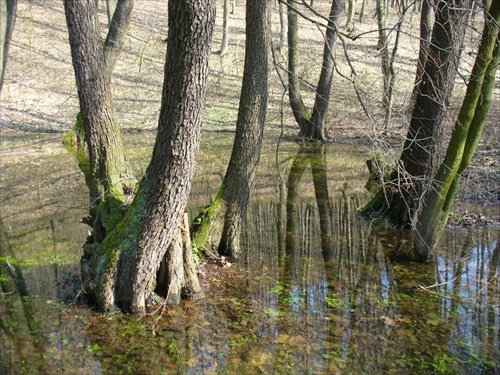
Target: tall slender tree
219,224
8,10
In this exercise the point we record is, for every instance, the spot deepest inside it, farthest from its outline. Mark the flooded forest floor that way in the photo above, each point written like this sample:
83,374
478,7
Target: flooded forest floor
282,308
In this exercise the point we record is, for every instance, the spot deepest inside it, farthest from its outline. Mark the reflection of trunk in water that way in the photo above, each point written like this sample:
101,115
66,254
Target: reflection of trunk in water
14,292
314,156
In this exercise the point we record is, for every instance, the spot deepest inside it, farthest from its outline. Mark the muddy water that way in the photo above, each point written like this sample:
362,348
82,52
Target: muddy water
291,305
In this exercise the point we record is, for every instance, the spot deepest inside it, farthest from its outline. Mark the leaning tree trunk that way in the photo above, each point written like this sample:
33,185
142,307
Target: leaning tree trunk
219,225
326,77
117,33
464,139
8,10
121,272
107,176
398,198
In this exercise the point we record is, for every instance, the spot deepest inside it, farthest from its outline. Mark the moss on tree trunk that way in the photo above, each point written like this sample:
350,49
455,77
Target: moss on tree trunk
464,140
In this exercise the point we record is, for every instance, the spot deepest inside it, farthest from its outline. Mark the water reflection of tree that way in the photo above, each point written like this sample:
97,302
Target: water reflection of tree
36,335
333,285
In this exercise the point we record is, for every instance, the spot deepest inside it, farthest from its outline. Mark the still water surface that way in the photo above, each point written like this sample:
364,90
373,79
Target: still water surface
296,302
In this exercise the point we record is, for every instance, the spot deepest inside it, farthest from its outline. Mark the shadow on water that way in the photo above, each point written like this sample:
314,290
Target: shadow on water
316,292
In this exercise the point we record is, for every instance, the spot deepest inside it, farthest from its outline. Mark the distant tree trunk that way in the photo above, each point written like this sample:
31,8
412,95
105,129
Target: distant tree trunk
219,224
117,33
426,22
311,125
121,272
466,135
388,72
362,13
108,178
349,24
299,109
8,9
323,88
225,29
283,26
399,197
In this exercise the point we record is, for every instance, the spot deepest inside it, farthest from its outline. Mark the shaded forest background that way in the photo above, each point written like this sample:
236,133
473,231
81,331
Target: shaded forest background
39,94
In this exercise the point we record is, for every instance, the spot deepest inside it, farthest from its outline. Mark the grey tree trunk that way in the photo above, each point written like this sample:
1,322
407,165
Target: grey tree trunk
323,88
122,271
283,26
117,32
311,125
229,208
399,198
426,22
108,178
225,29
465,137
8,9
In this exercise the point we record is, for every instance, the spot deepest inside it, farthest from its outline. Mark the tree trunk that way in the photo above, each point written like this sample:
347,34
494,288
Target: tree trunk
117,32
108,178
229,208
398,199
426,22
362,13
225,29
8,10
299,109
122,271
311,125
326,77
283,26
349,25
464,140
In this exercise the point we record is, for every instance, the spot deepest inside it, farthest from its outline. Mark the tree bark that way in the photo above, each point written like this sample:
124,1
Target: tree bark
399,198
108,178
311,125
299,109
323,88
8,10
228,210
117,32
426,23
464,139
122,271
225,29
